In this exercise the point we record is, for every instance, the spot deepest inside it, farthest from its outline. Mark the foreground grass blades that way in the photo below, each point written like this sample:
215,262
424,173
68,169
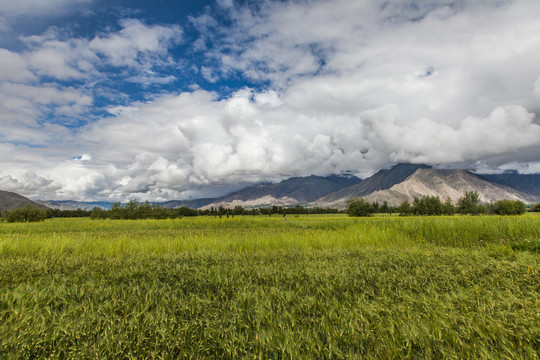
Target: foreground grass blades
267,288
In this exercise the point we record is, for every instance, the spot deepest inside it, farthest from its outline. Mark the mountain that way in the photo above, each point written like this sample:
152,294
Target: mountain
382,180
74,205
433,182
89,205
192,204
12,201
295,190
527,183
395,185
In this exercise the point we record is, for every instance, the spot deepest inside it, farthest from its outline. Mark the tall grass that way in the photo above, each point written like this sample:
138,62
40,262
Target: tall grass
312,287
60,237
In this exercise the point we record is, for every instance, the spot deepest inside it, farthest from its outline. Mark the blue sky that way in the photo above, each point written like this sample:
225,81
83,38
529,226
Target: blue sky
160,100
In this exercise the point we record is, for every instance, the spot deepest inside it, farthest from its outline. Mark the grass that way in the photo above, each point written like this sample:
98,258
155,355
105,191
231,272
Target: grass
309,287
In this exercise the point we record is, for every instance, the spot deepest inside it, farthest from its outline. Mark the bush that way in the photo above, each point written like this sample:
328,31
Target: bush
28,213
359,207
509,207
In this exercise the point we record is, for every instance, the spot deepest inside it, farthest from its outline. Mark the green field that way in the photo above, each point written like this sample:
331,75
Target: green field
258,287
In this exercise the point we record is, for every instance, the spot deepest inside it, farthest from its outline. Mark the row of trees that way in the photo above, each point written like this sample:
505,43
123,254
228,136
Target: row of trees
30,213
134,210
428,205
27,213
274,210
433,205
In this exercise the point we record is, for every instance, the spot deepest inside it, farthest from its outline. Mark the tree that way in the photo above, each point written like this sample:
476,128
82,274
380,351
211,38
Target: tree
239,210
448,207
509,207
359,207
536,208
98,213
405,209
468,204
384,208
428,205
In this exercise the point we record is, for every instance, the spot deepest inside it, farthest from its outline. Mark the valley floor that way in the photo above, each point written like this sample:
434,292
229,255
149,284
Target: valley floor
264,287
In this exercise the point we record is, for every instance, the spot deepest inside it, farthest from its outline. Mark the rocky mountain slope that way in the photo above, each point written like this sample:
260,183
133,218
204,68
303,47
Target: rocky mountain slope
296,190
527,183
192,204
382,180
395,185
437,182
12,201
74,205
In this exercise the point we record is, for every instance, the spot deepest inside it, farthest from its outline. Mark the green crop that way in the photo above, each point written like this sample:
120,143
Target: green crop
266,288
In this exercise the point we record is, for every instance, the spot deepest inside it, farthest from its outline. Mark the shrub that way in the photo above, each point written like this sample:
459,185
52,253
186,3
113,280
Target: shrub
509,207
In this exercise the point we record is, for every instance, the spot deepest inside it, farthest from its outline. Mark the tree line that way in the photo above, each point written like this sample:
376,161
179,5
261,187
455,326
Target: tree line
469,204
134,210
427,205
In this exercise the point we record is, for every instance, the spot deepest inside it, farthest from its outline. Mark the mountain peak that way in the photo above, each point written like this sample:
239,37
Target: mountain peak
445,183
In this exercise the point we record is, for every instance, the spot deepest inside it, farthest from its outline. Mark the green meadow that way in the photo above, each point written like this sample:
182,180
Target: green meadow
312,287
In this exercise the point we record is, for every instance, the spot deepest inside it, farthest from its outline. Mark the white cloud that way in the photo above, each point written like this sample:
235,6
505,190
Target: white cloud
38,7
151,78
208,74
135,41
481,55
137,45
40,113
61,59
353,86
170,144
25,106
14,67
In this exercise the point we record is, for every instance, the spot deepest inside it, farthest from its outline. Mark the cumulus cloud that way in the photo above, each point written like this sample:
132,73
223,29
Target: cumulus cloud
352,86
25,110
191,140
36,105
135,45
135,41
371,53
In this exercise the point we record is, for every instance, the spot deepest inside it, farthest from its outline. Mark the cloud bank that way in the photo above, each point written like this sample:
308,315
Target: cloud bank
351,86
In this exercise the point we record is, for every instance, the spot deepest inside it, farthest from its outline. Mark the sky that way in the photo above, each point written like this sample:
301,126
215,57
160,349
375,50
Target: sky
113,100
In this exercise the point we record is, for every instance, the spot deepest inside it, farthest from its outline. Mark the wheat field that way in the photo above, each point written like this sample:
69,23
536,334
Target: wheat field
312,287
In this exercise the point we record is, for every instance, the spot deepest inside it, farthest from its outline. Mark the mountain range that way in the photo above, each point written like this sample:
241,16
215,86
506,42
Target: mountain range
402,182
293,191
